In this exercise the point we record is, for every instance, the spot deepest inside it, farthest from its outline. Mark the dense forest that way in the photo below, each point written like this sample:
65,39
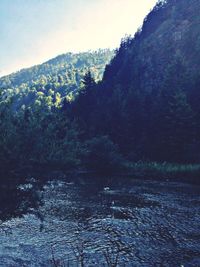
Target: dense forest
148,101
61,114
59,77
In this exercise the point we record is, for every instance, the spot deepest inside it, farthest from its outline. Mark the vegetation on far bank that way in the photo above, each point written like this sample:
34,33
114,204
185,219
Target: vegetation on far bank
164,171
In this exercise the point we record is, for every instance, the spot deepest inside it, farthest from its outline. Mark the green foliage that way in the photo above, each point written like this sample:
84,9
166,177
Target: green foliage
103,155
154,170
62,75
178,127
40,137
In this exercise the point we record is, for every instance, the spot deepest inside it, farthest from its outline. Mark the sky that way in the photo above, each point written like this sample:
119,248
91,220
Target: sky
33,31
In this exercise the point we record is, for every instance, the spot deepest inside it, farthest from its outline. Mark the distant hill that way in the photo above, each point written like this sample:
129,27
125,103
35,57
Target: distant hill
62,74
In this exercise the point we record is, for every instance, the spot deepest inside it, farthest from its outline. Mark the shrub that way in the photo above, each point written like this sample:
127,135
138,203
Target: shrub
102,155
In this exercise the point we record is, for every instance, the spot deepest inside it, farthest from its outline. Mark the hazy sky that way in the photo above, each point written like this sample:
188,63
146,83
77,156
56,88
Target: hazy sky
32,31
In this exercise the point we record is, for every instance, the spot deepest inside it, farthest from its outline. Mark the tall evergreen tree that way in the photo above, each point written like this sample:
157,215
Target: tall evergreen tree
178,128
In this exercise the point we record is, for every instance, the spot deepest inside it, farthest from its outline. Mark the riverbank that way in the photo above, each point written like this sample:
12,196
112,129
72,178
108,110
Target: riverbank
165,171
189,173
15,198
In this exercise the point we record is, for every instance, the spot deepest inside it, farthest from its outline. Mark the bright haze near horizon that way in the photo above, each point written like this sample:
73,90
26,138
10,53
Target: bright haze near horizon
33,31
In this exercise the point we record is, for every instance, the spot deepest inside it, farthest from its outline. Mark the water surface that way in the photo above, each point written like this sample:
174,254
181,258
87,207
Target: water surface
127,222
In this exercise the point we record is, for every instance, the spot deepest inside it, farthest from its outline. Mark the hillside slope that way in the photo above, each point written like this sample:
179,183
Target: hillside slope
170,33
62,75
150,91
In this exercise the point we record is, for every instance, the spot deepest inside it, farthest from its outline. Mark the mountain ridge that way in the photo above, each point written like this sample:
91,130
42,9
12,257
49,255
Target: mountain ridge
62,58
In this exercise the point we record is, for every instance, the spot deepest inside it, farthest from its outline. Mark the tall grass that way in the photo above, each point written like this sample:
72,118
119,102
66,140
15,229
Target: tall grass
185,172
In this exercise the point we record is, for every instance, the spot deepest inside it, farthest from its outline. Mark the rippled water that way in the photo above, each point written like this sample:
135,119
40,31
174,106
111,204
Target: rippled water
127,223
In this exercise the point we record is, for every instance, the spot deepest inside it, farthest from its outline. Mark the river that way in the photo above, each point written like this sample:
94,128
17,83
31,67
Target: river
123,222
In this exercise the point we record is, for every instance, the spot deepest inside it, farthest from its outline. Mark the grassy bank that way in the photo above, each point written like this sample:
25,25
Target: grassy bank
170,171
142,170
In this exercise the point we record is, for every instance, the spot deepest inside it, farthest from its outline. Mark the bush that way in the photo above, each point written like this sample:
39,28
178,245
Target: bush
102,155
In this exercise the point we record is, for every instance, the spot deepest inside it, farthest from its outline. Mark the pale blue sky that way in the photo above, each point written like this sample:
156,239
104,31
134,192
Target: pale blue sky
32,31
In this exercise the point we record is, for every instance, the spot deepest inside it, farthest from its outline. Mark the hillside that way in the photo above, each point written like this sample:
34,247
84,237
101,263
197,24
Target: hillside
149,97
170,34
62,75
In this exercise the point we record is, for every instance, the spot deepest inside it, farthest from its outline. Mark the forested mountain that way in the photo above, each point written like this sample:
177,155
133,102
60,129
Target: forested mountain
59,77
145,108
148,101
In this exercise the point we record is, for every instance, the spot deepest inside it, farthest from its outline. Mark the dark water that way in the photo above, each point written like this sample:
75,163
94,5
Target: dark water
122,222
